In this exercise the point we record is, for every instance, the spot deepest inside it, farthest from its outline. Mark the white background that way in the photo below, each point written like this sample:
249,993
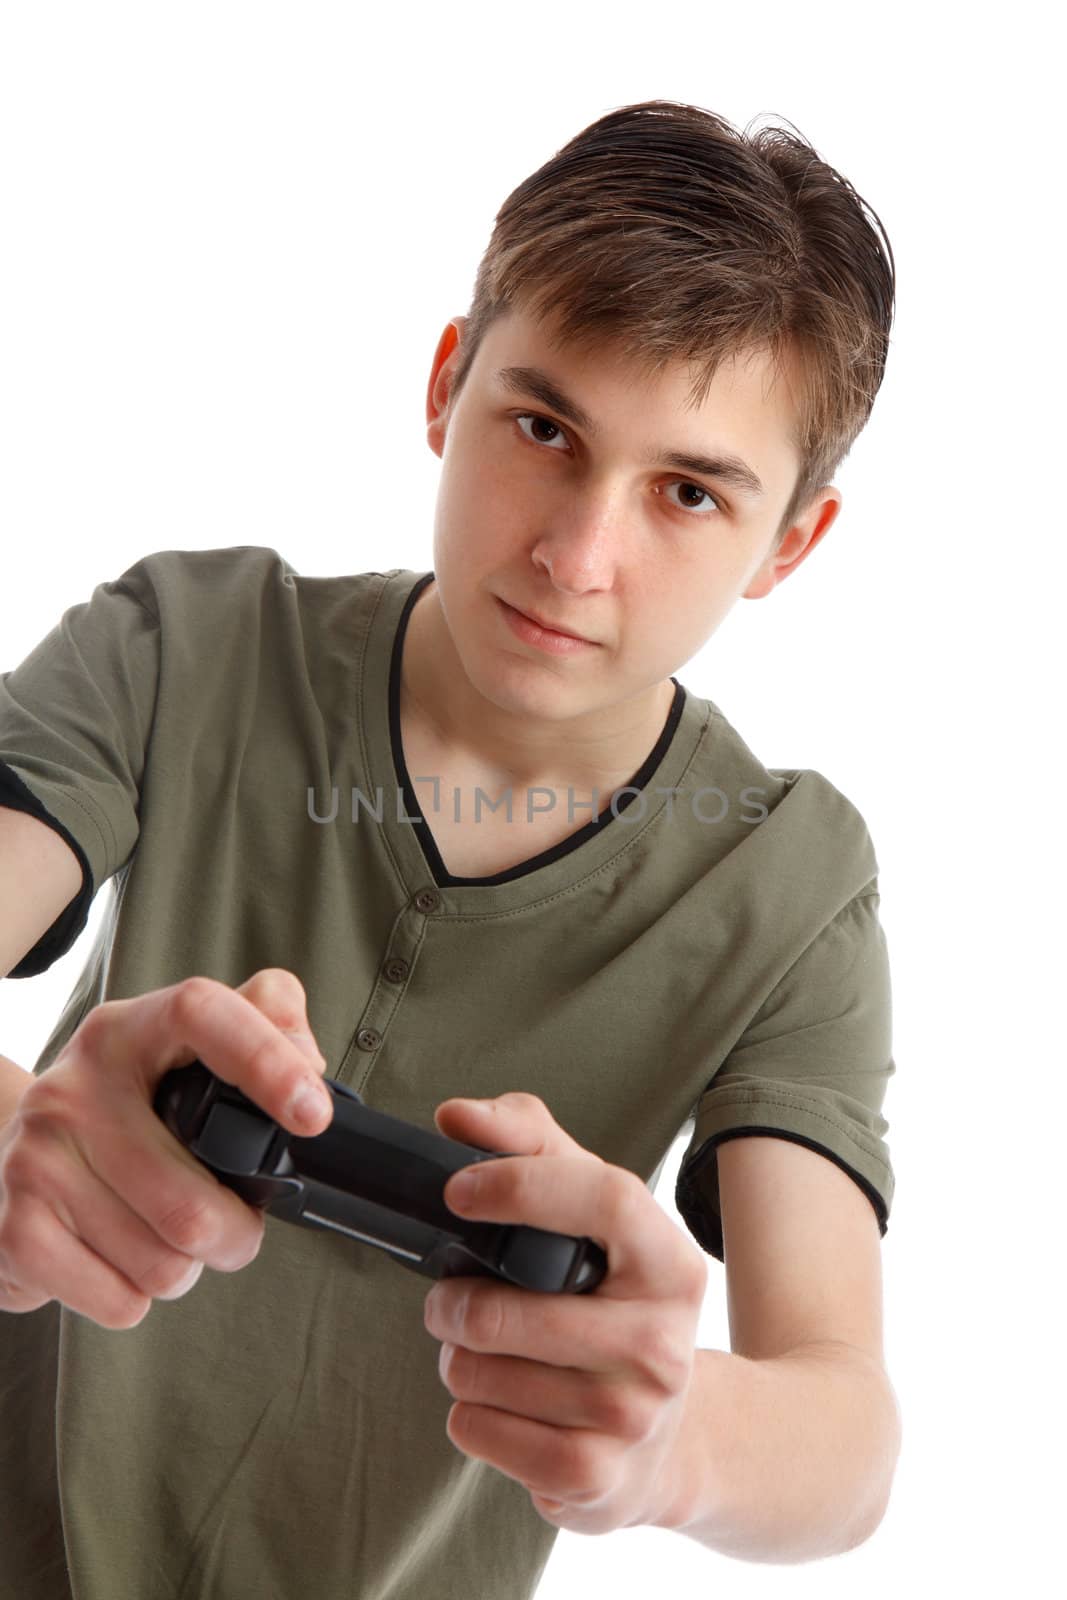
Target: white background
232,235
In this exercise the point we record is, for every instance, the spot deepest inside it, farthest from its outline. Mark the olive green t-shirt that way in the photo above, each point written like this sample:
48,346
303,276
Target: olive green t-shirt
219,737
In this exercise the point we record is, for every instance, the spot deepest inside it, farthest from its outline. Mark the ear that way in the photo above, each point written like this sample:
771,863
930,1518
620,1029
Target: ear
797,545
439,388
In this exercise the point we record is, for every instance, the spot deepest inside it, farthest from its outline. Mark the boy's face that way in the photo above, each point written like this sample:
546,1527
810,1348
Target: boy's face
571,522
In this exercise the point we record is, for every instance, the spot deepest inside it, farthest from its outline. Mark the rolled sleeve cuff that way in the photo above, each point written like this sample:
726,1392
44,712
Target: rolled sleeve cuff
735,1114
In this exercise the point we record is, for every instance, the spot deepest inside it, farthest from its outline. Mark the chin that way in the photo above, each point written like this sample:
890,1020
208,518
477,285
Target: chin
523,688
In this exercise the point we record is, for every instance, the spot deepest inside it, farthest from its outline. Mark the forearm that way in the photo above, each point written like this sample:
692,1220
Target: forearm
783,1460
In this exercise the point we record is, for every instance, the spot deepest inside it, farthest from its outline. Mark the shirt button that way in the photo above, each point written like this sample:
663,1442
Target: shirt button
396,970
427,900
368,1038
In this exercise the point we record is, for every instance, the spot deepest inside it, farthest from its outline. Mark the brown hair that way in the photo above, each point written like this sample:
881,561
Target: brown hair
661,231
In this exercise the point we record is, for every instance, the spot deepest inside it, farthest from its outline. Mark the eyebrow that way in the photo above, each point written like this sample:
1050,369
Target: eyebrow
727,468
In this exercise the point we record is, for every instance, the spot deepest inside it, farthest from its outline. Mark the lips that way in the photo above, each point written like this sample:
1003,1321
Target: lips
554,627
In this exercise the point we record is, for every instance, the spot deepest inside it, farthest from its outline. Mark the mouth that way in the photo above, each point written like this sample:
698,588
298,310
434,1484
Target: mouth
549,627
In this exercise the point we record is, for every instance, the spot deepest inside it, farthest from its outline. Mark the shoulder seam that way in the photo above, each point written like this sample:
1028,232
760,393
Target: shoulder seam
120,583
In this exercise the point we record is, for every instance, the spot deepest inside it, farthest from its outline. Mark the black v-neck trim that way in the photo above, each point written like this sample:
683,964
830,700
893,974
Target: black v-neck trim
442,877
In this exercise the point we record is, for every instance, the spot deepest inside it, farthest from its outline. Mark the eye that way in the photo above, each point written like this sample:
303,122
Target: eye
684,483
545,422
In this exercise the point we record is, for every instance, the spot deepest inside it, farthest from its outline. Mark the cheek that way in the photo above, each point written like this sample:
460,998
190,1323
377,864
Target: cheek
678,617
476,505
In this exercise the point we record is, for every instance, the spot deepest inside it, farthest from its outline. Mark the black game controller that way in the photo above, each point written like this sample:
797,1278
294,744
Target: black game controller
373,1177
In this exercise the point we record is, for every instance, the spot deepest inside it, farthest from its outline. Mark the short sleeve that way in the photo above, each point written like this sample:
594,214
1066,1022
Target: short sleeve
812,1066
75,723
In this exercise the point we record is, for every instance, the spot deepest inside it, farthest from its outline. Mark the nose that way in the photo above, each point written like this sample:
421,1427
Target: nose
582,549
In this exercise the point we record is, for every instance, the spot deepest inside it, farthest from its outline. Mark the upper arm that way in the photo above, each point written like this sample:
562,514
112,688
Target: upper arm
802,1251
39,876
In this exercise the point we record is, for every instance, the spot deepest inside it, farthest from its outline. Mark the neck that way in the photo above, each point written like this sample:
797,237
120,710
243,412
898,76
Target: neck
600,749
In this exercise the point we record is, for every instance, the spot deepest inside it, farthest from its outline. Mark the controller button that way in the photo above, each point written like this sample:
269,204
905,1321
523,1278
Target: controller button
396,970
368,1038
427,900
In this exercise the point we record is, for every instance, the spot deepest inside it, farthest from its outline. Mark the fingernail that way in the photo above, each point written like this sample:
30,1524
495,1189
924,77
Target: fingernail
310,1105
461,1189
185,1284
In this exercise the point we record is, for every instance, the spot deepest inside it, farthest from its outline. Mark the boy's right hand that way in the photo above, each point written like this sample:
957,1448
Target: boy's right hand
101,1208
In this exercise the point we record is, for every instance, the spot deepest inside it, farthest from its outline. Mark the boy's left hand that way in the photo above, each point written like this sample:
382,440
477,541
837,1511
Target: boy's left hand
579,1397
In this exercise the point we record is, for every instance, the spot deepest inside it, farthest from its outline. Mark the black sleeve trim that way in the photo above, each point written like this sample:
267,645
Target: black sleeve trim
706,1225
57,940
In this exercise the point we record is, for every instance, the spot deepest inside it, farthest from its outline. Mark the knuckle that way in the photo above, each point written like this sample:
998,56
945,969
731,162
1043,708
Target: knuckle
189,1227
581,1465
189,997
18,1175
522,1098
523,1101
15,1298
279,991
667,1358
47,1117
483,1319
625,1413
697,1279
95,1026
31,1169
46,1104
622,1194
281,980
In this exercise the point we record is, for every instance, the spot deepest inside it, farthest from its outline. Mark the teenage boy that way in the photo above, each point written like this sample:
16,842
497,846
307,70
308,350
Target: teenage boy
461,840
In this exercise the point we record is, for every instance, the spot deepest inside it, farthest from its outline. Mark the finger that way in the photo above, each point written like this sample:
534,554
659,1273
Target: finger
586,1198
124,1048
515,1121
583,1333
48,1169
573,1465
50,1260
618,1405
58,1259
201,1018
280,995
